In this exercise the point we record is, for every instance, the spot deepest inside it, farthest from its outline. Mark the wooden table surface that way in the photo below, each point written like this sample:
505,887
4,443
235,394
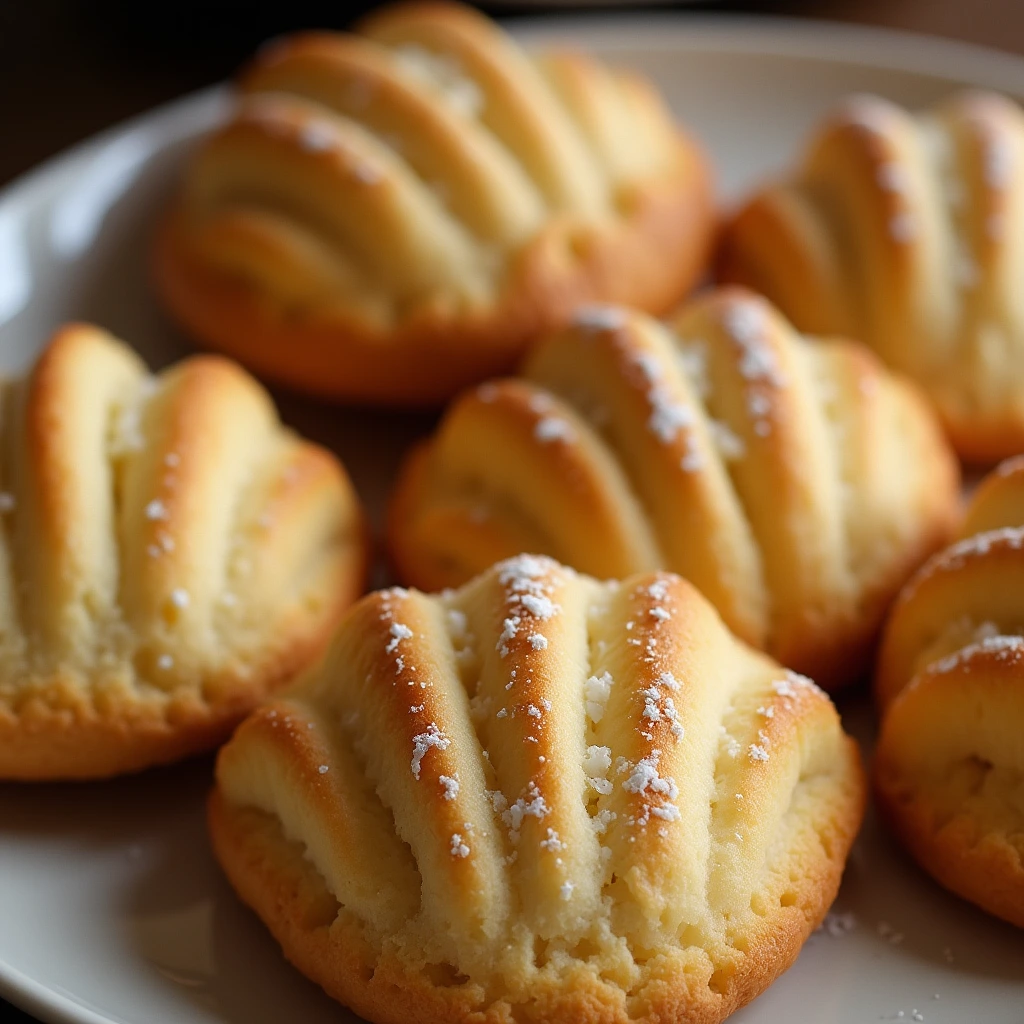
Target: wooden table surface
68,70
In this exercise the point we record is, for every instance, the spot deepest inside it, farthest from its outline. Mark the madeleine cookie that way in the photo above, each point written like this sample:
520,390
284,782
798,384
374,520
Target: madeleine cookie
169,554
797,484
390,216
949,769
907,232
540,798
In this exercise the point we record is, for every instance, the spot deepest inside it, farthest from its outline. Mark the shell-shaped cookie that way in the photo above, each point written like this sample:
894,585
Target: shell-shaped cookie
169,553
796,483
907,232
393,215
541,798
949,768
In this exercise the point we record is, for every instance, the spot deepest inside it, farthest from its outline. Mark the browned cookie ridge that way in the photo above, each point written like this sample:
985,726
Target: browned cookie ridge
905,231
796,483
169,554
949,768
540,798
392,215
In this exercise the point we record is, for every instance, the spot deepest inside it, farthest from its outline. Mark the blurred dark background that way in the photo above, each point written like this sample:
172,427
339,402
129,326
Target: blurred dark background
68,69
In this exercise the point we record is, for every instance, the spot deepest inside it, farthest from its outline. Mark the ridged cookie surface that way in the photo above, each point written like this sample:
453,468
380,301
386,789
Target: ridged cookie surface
907,232
540,798
392,215
949,768
168,554
795,482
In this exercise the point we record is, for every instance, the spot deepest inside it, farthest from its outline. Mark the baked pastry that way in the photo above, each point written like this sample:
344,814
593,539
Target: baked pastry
796,484
169,553
949,769
903,231
390,216
540,798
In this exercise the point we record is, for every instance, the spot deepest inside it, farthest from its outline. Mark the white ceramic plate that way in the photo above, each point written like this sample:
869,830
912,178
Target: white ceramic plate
111,908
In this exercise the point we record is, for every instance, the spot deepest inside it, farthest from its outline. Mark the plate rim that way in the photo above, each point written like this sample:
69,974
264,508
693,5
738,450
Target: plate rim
42,1002
822,40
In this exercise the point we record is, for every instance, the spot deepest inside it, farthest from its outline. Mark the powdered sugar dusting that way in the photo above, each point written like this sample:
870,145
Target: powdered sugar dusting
644,780
861,113
746,322
553,428
399,632
997,160
693,359
1004,648
692,460
528,593
552,843
596,765
980,544
530,805
539,606
644,776
510,628
667,812
668,416
524,572
596,691
792,683
444,74
321,137
431,739
648,365
317,137
660,707
364,173
596,319
891,177
837,925
730,446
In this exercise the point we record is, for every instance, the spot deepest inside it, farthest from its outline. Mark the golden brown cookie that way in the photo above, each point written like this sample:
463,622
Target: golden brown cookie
903,231
390,216
540,798
949,770
169,554
796,483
